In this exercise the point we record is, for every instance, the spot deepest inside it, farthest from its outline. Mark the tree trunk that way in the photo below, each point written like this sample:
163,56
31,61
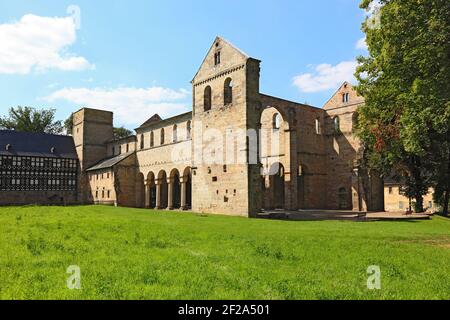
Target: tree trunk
446,200
447,190
418,206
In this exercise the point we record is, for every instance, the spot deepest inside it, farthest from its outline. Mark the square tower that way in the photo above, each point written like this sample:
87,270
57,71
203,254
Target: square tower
92,129
225,129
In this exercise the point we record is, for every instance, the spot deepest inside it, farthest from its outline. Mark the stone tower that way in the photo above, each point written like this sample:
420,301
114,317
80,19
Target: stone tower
226,119
350,184
91,130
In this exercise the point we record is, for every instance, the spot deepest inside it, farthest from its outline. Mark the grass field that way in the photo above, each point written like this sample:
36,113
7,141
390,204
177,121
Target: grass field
143,254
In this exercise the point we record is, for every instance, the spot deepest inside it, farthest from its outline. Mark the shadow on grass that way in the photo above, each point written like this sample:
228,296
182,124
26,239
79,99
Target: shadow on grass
314,215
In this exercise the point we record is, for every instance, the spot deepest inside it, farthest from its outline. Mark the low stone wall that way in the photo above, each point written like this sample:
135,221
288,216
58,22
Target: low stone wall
38,197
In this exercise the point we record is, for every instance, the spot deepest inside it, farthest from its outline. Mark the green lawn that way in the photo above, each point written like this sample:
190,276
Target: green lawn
143,254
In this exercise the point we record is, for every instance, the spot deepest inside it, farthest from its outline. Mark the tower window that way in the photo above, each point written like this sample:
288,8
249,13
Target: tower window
207,99
317,126
276,122
142,141
152,139
217,58
345,97
228,91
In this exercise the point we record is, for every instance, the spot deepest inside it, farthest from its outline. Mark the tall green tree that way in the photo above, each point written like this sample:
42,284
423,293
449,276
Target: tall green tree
68,124
121,132
31,120
405,122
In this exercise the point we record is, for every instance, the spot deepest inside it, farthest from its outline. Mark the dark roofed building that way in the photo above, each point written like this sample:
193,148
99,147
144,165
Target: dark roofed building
36,144
37,168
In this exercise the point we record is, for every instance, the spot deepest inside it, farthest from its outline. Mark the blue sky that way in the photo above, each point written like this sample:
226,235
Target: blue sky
137,57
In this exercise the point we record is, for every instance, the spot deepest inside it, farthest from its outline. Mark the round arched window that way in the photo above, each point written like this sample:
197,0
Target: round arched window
228,91
276,121
337,125
207,99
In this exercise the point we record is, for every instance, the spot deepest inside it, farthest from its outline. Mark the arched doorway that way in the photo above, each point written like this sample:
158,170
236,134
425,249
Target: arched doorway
176,189
274,150
163,190
277,185
187,181
151,185
140,191
342,198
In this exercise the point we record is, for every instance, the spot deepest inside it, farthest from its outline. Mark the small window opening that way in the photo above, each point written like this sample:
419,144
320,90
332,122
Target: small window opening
345,97
162,136
317,126
217,58
228,91
175,133
207,99
276,122
337,125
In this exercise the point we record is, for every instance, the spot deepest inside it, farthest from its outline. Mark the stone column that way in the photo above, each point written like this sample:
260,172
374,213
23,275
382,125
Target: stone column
170,193
158,194
362,194
292,163
147,194
356,201
183,193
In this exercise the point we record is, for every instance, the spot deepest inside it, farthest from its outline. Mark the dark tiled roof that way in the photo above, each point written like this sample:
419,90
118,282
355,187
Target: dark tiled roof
37,144
172,120
155,118
110,162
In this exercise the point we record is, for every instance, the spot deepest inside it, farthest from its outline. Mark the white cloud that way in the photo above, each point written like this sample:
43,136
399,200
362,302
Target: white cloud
326,77
131,106
361,44
39,43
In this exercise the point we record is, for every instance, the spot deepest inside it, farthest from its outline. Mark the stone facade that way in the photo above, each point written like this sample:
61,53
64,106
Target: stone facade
293,156
238,152
396,202
349,184
92,130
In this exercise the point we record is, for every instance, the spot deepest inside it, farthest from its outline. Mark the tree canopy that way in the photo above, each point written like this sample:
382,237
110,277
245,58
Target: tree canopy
405,122
121,132
31,120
